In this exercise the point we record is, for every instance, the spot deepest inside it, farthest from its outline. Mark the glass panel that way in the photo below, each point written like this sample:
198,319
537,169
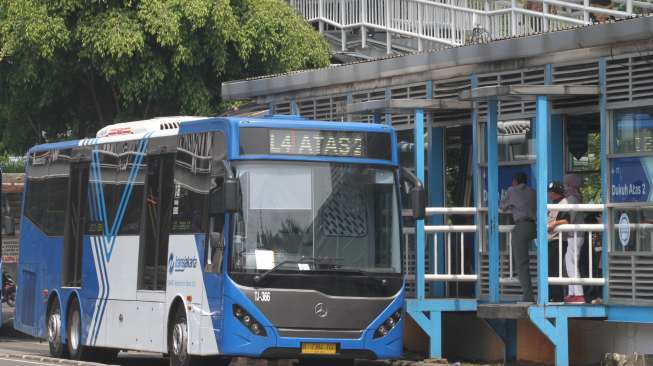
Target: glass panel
515,141
583,143
633,131
319,216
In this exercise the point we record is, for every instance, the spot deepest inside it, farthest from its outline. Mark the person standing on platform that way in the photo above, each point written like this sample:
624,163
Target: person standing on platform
575,240
520,200
556,193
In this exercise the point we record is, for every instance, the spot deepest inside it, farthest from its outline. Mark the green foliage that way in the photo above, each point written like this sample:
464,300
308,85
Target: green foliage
591,190
69,67
9,165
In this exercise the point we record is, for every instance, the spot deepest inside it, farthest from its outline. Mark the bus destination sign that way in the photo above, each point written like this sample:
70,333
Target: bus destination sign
354,144
311,142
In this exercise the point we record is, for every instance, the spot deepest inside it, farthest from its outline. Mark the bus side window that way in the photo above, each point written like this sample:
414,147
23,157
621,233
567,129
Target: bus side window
159,191
215,238
76,212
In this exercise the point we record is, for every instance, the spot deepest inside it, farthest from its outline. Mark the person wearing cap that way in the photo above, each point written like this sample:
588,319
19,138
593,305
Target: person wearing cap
556,193
520,200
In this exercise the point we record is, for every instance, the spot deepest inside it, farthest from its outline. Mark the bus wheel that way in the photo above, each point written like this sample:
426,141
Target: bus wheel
57,349
74,331
178,340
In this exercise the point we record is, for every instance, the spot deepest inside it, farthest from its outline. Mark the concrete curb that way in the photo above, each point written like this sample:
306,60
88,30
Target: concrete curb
52,360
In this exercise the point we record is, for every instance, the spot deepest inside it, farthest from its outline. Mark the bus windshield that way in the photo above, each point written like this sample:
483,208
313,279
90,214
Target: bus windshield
316,217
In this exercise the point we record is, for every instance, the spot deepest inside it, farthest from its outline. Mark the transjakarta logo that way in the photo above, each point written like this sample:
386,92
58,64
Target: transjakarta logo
180,264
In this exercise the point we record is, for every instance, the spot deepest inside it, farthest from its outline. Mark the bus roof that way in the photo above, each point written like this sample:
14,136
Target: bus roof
159,127
280,121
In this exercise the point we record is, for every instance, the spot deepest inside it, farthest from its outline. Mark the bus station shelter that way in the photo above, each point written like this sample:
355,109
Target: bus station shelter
576,101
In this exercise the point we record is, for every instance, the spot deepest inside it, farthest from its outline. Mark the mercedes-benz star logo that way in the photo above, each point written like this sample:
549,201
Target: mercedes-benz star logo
321,310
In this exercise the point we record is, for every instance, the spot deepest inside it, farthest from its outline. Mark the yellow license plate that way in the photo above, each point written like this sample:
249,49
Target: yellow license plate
319,348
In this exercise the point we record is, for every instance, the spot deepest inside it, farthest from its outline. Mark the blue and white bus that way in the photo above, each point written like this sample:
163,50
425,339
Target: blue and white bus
274,237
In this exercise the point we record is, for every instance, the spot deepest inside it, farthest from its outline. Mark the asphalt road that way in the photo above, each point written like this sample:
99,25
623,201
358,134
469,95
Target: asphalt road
13,343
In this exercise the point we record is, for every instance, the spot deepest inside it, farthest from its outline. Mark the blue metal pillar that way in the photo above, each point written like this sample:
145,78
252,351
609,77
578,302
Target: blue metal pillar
435,192
271,108
493,199
436,198
556,149
432,325
542,124
419,224
562,346
435,340
475,182
604,169
542,142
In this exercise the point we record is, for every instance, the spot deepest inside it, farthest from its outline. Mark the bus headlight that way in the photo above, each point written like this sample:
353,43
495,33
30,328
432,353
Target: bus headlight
248,321
388,325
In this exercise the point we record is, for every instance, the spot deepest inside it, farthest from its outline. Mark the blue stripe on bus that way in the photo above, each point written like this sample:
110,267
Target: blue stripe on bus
99,191
105,296
126,195
105,243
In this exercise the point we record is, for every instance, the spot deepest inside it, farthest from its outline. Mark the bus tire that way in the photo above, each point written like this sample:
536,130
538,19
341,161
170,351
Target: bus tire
74,331
53,330
178,339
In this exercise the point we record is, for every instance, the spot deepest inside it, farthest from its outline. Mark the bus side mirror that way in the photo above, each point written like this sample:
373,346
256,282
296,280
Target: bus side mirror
232,197
418,199
417,194
226,198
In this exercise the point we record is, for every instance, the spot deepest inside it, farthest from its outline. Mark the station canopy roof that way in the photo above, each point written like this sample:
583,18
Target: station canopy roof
524,50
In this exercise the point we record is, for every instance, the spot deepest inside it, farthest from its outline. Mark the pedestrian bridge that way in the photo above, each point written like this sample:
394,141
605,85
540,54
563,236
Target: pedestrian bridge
370,28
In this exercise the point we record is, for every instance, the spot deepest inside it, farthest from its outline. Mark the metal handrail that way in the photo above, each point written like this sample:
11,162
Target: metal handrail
449,230
450,22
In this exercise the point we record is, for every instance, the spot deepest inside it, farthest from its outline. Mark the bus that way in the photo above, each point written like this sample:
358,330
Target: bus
211,238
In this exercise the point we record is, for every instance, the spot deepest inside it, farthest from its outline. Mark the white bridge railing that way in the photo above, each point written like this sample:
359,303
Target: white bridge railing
454,22
450,232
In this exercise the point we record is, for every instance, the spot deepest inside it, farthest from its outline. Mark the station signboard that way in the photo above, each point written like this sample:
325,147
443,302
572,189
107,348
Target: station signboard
631,179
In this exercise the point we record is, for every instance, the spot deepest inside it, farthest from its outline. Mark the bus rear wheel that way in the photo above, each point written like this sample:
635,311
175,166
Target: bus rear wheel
74,331
76,350
53,328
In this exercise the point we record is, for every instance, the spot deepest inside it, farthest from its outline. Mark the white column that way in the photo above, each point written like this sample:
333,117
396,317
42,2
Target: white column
363,21
388,35
343,32
513,18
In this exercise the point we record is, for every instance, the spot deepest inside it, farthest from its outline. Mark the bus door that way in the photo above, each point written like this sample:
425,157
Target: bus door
214,256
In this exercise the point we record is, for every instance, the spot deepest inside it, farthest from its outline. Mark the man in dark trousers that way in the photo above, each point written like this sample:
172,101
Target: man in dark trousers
521,201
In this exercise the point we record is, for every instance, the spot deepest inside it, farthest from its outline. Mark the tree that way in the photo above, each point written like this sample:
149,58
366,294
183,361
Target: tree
69,67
